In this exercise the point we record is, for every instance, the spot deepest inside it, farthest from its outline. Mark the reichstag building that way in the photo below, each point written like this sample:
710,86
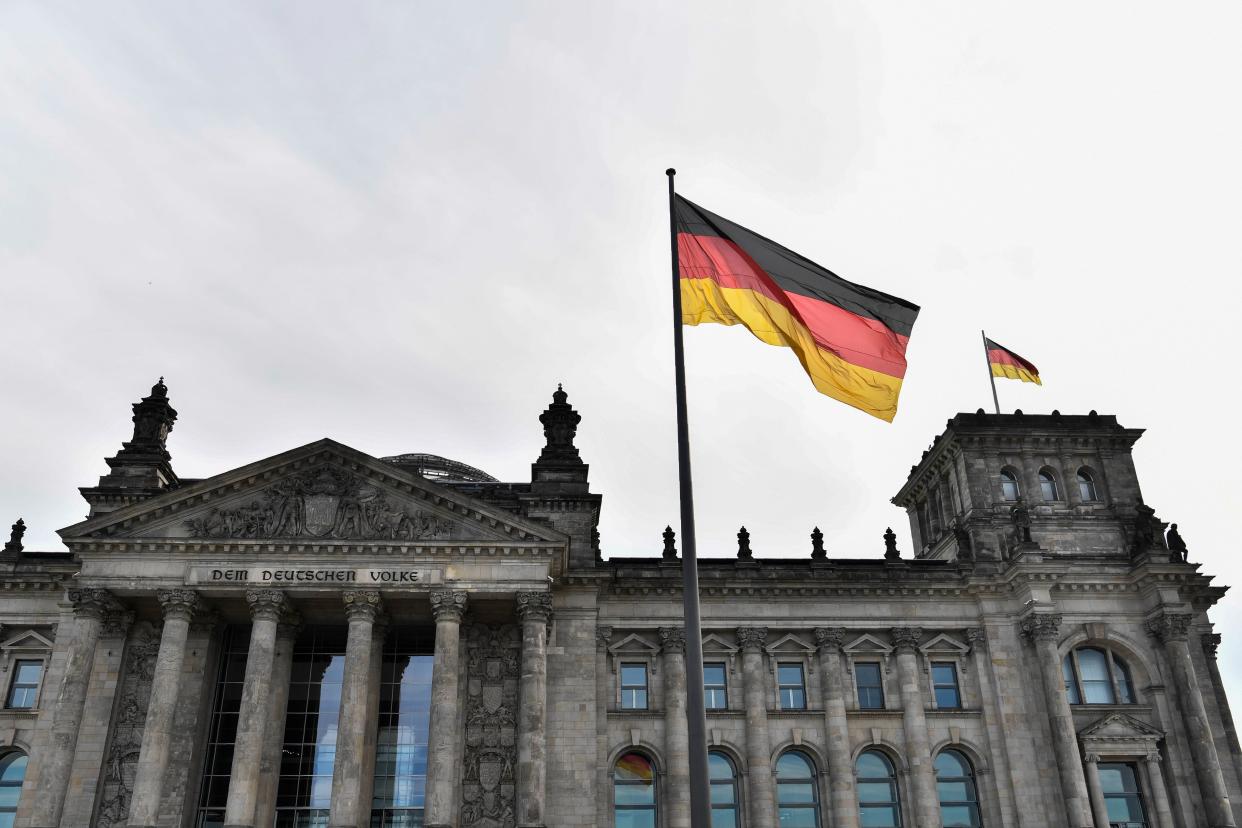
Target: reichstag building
326,638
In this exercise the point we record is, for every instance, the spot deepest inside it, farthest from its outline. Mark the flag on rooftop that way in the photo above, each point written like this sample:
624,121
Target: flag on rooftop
1005,363
850,339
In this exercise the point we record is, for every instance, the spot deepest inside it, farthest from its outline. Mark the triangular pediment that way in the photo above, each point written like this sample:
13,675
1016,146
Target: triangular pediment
321,492
634,643
27,640
713,643
867,644
1119,726
945,643
790,643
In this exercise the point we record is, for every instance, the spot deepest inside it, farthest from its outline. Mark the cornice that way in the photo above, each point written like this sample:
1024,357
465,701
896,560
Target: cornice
193,547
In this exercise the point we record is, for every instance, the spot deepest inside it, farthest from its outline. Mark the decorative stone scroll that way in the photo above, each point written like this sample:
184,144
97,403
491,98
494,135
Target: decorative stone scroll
125,744
489,782
448,604
321,503
534,606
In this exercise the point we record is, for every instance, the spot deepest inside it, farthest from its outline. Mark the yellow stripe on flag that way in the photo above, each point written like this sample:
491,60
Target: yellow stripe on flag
1013,372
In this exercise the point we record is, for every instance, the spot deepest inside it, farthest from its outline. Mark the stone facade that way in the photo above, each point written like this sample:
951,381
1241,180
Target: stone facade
1045,636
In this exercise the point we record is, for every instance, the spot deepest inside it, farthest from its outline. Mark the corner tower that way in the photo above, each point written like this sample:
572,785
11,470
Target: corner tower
143,466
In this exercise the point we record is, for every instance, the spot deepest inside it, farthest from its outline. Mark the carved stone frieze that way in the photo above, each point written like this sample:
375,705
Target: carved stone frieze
326,502
125,743
489,779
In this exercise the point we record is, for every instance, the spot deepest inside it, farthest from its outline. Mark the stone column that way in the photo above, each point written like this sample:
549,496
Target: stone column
1159,793
758,741
914,723
676,726
366,786
1172,630
1099,810
603,703
361,608
274,734
1210,642
267,606
1043,630
157,731
449,607
843,803
534,610
89,607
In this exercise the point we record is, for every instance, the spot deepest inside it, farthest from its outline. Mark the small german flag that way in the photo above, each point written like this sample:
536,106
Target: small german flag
1005,363
850,339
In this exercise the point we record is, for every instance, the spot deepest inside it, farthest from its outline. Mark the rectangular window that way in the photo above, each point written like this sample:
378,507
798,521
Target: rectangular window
715,691
792,686
870,685
944,683
1122,798
633,686
24,691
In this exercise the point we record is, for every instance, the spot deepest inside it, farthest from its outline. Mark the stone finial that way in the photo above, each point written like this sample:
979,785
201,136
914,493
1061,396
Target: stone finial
448,605
1177,546
363,604
153,418
670,544
817,545
1043,626
906,639
534,606
829,639
560,426
1170,626
179,603
890,545
743,545
752,638
603,635
672,639
14,546
267,604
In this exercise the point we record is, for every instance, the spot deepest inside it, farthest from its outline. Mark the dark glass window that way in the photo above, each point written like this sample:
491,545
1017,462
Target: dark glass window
879,804
723,791
634,686
12,774
222,729
1009,485
870,683
633,792
1095,676
404,722
797,797
1122,797
944,683
1048,485
1086,486
792,686
955,785
715,688
24,691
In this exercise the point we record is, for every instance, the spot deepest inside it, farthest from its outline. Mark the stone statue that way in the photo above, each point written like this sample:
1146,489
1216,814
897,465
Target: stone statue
890,545
670,544
743,545
1021,517
1145,528
965,546
818,553
1177,546
14,546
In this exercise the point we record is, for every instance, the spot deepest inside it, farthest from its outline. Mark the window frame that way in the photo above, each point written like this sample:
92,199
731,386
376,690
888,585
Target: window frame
722,688
957,683
14,668
1047,476
893,781
781,687
971,779
858,696
622,687
813,781
1137,795
1115,665
654,807
11,754
1090,481
1008,474
736,805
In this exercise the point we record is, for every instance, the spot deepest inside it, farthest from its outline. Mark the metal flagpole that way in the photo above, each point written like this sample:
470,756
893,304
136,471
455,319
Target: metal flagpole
700,813
991,378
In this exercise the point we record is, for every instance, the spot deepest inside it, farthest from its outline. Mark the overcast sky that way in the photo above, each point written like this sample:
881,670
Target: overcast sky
400,225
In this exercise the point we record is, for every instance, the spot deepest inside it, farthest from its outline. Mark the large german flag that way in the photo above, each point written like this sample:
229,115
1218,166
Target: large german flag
1005,363
850,339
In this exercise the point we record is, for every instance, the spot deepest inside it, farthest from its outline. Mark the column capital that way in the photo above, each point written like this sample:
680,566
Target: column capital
1170,626
448,604
362,604
92,603
1042,626
1091,758
179,603
829,639
1210,642
603,635
1152,757
976,637
534,606
673,640
267,604
906,639
752,639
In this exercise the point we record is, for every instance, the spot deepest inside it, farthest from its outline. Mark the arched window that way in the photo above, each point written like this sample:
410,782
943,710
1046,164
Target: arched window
633,792
12,773
724,790
1095,676
1009,485
1048,485
797,800
959,798
878,803
1086,487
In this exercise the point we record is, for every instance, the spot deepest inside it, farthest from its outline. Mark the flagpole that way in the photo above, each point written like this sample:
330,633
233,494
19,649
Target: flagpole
696,716
991,378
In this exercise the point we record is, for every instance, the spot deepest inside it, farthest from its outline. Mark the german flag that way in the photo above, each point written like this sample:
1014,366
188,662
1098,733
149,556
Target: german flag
850,339
1005,363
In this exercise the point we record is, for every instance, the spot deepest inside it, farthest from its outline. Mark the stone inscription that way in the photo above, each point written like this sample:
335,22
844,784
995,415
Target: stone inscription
312,576
321,503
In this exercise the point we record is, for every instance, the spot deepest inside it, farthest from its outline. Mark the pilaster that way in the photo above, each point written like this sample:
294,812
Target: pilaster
843,801
758,741
534,610
676,726
914,724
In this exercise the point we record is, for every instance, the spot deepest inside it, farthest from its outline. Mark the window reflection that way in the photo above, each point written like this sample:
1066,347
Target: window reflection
404,721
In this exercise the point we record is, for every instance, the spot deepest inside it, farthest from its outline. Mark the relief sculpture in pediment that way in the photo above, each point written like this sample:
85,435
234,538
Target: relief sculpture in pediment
321,503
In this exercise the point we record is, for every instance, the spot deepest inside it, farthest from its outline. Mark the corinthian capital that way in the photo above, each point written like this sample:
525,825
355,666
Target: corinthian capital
1044,626
829,639
603,635
267,604
1170,626
448,605
673,639
534,606
92,603
363,604
906,639
752,638
179,603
